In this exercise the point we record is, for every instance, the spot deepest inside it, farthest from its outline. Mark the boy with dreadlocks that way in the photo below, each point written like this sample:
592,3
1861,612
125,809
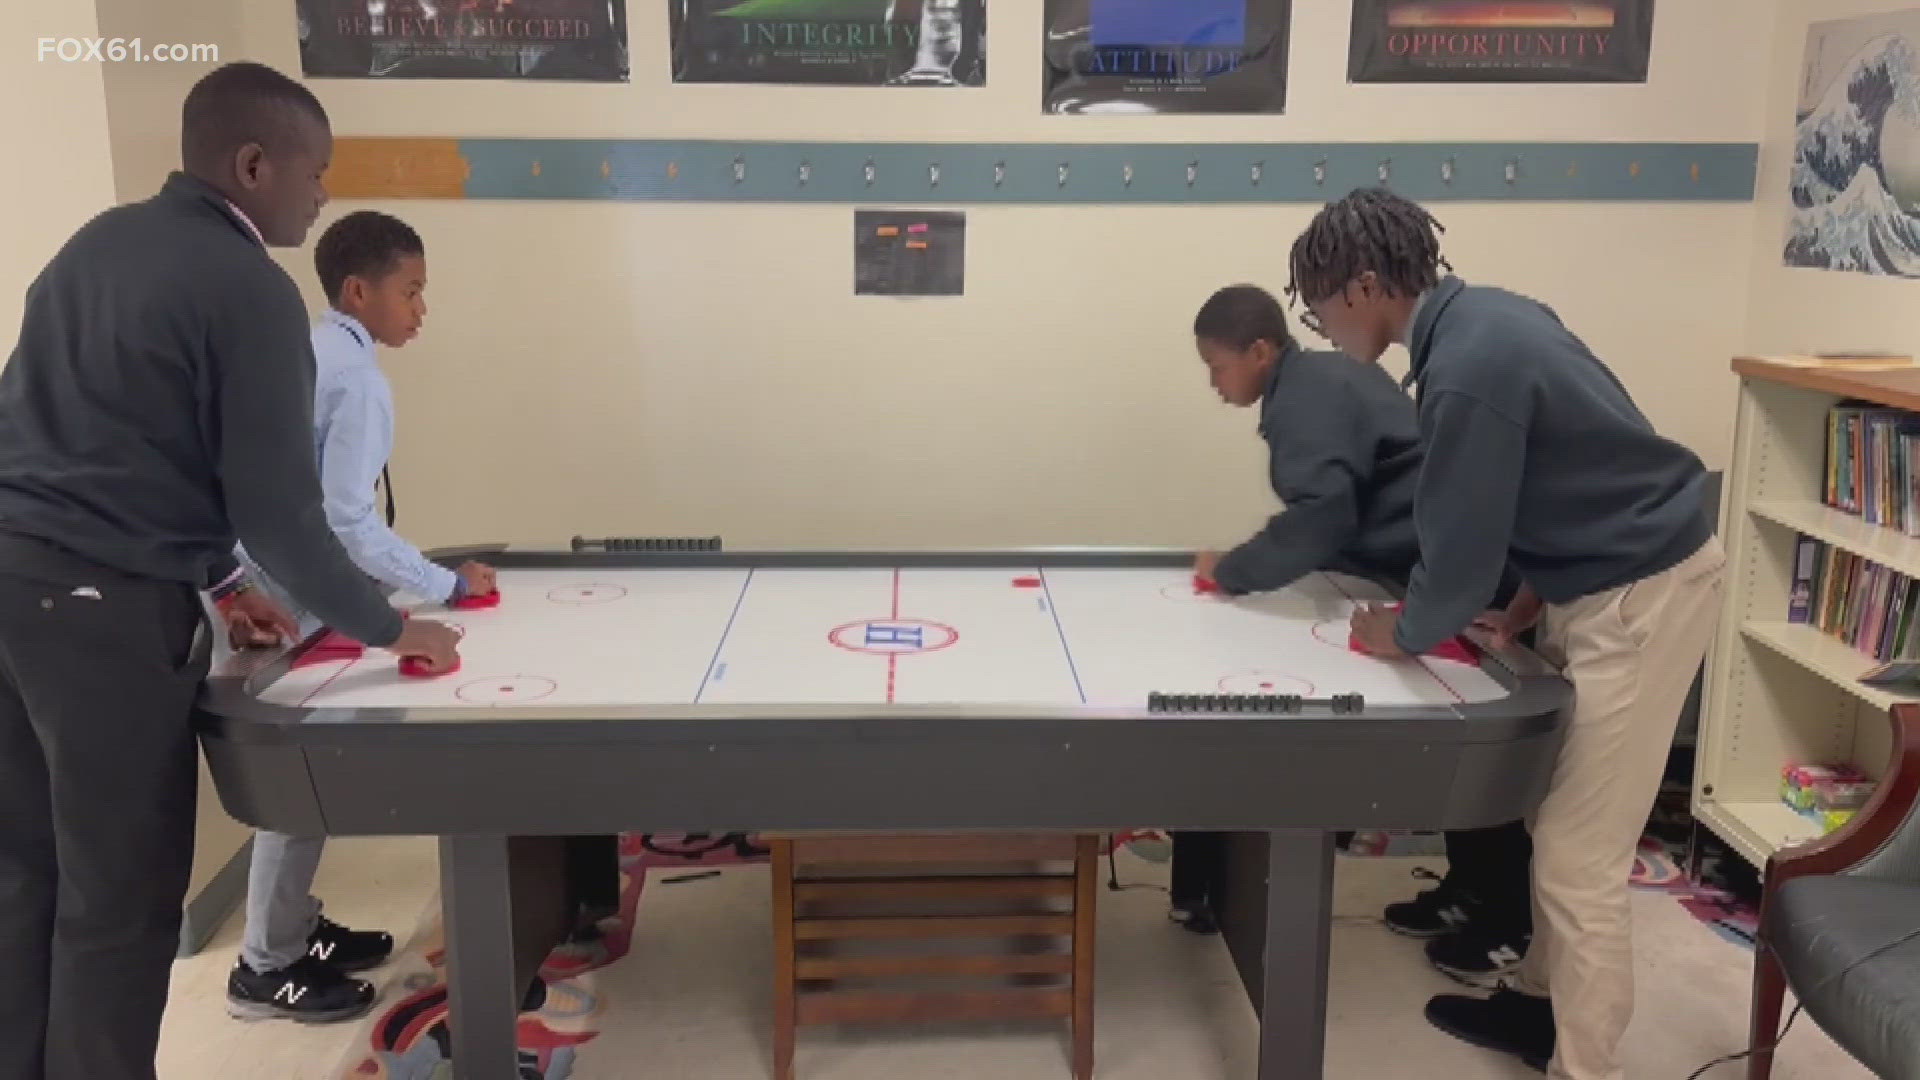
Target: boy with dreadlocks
1536,454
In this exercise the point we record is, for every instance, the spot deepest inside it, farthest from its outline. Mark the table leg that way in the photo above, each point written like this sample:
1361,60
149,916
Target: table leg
1276,915
504,908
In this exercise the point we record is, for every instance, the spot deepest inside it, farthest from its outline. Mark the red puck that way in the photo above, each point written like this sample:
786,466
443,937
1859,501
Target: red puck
1205,584
415,667
484,600
1026,583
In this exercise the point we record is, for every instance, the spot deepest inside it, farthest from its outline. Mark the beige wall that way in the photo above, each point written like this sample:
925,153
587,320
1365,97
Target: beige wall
142,121
1800,310
605,368
59,172
143,100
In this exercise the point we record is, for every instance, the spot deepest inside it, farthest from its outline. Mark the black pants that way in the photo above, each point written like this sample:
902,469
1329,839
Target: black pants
1493,867
593,873
98,674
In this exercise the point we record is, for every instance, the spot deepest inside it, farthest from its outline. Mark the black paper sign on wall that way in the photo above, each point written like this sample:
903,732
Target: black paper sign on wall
1512,41
909,252
1166,56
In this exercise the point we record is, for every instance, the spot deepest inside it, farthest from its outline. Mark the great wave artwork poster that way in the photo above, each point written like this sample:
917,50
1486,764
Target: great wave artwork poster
1855,199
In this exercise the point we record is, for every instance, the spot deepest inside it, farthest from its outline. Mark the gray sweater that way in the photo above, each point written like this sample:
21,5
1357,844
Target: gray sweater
1344,456
159,405
1534,453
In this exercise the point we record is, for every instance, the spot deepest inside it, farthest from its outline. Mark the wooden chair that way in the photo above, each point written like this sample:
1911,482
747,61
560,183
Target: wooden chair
1833,907
837,899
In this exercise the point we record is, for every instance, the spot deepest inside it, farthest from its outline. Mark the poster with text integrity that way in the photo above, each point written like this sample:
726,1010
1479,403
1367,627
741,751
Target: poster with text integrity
581,40
1166,56
831,42
1854,201
1469,41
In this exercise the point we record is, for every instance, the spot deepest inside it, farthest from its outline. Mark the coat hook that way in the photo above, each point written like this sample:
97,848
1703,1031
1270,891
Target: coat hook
1126,174
1513,170
999,173
1193,172
1259,172
872,171
933,175
739,170
1063,174
1386,170
1446,171
806,172
1320,171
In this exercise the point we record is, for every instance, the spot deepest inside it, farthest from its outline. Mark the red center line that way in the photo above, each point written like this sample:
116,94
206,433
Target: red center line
893,659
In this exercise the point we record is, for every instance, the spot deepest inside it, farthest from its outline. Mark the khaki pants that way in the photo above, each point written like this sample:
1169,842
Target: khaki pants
1631,654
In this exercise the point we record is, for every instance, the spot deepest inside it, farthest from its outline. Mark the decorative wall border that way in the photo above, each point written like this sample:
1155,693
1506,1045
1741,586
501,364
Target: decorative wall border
641,170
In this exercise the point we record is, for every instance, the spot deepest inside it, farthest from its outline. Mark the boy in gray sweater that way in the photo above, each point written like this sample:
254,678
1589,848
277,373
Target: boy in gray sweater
1536,455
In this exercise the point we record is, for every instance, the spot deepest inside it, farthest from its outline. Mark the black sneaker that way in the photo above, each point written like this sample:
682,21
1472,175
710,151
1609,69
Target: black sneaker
1197,918
1439,910
348,950
1509,1022
306,992
1478,957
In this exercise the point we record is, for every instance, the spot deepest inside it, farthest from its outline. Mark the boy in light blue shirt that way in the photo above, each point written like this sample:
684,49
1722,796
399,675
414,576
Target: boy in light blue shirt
294,963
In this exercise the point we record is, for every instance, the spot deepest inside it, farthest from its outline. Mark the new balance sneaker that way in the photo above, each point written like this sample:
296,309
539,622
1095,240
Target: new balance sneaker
1436,911
1477,955
348,950
306,991
1509,1022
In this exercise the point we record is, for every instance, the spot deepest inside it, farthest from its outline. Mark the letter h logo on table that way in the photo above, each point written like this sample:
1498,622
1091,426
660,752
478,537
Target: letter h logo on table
912,637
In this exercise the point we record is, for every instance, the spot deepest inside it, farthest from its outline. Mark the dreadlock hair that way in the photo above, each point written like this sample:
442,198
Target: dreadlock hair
1371,229
1240,315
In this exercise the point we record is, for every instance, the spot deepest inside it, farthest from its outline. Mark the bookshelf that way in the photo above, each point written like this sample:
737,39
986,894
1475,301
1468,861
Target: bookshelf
1779,691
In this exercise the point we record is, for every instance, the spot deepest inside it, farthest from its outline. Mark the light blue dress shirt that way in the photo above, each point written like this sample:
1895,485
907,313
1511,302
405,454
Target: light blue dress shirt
353,435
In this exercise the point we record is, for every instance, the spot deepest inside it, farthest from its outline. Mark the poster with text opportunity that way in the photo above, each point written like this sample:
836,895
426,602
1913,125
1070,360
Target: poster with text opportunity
580,40
901,43
1469,41
1147,57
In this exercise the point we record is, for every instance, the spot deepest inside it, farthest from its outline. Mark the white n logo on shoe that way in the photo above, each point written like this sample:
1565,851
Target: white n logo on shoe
322,950
290,992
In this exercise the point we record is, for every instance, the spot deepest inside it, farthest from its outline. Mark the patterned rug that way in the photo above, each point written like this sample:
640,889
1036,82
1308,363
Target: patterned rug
407,1038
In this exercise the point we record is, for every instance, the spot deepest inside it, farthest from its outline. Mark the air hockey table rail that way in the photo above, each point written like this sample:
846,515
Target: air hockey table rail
502,785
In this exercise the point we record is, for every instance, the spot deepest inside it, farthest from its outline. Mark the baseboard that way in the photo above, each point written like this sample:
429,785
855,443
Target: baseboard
223,893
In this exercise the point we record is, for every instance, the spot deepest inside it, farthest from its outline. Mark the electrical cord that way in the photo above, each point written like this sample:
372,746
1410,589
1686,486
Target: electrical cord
1800,1007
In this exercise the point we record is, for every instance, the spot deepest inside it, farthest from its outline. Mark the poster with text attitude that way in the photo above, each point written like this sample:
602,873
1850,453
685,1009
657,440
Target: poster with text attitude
583,40
1166,56
1466,41
1854,199
833,42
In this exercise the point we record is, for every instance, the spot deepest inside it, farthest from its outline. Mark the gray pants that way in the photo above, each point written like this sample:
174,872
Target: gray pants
281,909
98,675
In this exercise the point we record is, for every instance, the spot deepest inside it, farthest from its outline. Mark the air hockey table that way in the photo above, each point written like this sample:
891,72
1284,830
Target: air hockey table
669,685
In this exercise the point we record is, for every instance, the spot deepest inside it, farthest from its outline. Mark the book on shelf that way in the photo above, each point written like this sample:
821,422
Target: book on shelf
1862,603
1873,465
